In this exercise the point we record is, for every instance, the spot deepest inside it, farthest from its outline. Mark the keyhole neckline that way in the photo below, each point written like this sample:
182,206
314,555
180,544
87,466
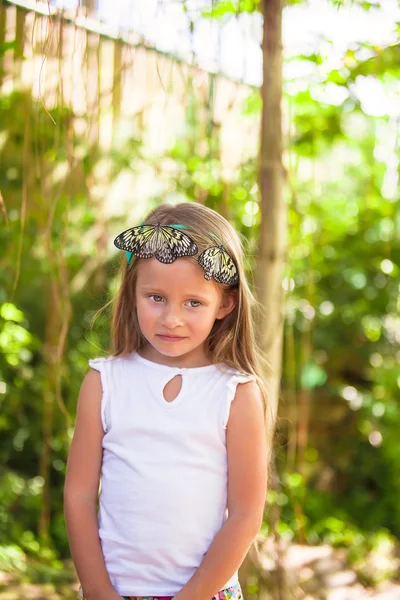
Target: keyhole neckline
178,398
171,370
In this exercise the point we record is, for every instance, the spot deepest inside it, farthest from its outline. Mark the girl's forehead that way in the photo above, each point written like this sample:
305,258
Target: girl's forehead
182,272
151,269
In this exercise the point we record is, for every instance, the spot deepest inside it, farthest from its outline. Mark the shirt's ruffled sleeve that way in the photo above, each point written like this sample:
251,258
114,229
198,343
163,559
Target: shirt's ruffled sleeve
233,382
101,365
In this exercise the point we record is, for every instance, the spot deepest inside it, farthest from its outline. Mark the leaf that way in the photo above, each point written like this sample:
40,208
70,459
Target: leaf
9,312
313,57
294,480
386,60
221,9
336,76
368,4
313,376
5,46
252,104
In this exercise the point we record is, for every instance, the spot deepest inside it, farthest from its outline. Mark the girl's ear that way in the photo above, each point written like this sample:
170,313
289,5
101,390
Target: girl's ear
228,303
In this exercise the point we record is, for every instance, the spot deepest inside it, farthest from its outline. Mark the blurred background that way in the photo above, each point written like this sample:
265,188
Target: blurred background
110,108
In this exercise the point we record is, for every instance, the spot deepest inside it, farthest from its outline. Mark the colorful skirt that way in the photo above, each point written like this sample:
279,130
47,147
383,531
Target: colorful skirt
231,593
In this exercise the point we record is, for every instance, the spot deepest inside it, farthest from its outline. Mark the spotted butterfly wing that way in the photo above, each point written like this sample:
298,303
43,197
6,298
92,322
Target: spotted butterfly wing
174,244
138,240
218,264
164,242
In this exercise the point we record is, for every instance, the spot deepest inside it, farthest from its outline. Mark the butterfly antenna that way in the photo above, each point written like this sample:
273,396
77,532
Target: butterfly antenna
157,219
221,244
155,216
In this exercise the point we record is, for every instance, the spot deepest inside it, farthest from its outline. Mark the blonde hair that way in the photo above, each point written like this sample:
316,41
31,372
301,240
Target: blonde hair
232,339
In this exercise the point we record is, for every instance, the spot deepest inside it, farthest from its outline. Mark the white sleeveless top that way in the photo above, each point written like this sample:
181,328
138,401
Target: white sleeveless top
164,471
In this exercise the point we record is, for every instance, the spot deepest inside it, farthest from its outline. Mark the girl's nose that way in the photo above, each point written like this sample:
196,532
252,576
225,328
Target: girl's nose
172,317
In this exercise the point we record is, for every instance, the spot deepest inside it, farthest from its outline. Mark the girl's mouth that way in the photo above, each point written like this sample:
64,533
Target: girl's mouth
170,338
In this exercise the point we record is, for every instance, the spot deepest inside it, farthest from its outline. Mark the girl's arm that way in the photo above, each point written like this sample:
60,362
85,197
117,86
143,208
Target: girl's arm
247,481
81,492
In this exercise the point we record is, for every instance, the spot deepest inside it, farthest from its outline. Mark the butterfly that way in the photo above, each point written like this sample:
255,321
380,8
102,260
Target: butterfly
165,242
218,264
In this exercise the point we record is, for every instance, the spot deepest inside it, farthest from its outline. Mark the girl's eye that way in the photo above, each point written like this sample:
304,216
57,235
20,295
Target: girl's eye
195,302
158,299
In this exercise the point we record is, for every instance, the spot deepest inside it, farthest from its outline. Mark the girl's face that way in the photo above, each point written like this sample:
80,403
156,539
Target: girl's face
176,309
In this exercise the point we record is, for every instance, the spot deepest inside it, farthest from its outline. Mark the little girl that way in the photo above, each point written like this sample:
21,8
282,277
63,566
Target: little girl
172,422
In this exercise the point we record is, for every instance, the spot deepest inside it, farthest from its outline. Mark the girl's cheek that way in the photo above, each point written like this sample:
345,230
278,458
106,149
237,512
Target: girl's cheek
154,309
146,310
149,309
146,304
199,318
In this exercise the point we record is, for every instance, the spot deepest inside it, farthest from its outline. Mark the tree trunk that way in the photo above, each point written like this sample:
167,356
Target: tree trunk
272,237
272,252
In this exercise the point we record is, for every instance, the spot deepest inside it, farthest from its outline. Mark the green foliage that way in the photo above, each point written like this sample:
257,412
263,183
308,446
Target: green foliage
6,46
372,554
383,61
312,376
12,559
222,8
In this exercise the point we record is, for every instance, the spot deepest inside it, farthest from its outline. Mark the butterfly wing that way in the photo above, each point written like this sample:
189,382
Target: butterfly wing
208,260
173,244
141,241
227,271
218,264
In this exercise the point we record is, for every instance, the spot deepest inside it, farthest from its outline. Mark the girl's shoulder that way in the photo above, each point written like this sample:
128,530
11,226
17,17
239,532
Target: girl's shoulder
112,371
102,360
233,377
109,366
99,360
236,375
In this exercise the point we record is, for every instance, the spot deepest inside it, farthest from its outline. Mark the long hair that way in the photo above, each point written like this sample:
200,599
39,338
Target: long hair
232,340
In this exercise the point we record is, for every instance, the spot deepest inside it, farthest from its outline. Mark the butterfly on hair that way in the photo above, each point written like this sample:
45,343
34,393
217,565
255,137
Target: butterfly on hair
217,264
165,242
